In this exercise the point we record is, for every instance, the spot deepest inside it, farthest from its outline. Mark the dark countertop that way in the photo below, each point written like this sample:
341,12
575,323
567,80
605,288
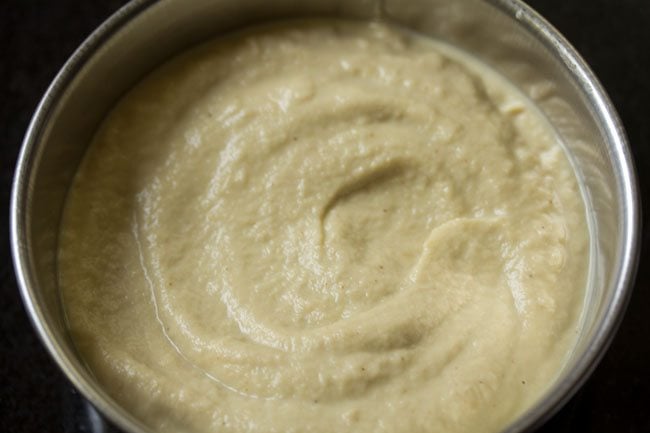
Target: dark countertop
37,36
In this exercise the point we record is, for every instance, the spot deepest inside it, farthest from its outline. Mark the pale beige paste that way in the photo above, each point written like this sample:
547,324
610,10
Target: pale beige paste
324,227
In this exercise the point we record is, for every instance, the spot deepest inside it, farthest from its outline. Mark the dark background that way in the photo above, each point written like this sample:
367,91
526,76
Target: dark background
37,36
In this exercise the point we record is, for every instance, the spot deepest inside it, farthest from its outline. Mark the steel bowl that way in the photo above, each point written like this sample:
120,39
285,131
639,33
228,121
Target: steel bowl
505,34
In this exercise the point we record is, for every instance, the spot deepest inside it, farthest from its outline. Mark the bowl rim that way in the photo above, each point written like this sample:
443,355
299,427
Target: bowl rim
554,398
625,272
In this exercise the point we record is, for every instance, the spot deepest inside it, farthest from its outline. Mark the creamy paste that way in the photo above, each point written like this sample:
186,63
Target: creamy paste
324,227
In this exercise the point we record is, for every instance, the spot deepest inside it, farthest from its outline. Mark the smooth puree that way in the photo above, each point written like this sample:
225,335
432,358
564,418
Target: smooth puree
324,226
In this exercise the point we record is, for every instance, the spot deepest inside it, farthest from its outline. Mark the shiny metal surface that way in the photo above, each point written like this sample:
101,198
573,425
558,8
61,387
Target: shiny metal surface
506,34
